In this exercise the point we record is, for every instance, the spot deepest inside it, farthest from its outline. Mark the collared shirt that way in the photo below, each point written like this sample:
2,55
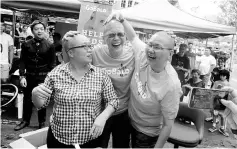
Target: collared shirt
78,103
37,56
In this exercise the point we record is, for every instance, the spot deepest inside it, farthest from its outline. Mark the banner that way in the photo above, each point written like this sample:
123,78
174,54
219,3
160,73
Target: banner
91,19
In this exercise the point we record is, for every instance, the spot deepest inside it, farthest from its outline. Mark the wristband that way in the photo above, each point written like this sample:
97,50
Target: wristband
121,20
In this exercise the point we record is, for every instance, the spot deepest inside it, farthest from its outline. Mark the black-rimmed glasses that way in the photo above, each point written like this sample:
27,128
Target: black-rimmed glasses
86,46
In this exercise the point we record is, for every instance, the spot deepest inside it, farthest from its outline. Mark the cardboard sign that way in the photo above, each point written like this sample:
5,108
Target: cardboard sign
92,17
202,98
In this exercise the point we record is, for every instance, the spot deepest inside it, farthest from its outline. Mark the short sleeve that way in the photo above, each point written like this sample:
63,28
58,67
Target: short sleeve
170,103
213,61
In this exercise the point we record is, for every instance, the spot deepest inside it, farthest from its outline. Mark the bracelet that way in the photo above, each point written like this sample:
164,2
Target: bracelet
122,20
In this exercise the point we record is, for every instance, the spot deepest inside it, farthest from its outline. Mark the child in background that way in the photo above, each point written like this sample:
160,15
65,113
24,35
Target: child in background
194,81
224,81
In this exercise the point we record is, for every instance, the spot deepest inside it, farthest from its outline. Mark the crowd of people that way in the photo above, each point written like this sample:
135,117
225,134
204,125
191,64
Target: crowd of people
132,93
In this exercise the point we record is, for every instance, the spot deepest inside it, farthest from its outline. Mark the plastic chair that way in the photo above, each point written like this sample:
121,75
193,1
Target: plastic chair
187,135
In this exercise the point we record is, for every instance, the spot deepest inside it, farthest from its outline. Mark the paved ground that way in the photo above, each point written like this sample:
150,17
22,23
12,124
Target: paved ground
9,120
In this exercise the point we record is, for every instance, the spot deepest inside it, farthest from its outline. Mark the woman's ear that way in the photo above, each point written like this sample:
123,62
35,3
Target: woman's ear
70,53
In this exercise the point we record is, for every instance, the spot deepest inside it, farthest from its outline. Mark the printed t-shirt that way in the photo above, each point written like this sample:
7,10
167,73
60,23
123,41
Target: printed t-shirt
120,71
6,42
205,63
153,95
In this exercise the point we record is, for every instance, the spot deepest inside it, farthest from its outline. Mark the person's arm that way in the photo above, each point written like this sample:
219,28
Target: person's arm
130,32
11,51
111,100
169,108
137,44
187,65
213,65
38,99
23,58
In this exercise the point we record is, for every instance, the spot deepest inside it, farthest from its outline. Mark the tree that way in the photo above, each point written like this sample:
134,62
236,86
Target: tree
229,15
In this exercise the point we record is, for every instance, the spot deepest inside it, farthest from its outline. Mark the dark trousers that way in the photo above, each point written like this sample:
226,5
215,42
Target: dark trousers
32,81
119,126
141,140
52,142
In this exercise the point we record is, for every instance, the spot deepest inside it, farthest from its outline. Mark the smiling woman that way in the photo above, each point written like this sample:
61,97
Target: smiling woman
69,83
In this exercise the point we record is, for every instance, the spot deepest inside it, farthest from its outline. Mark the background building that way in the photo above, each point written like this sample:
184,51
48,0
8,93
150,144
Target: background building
119,4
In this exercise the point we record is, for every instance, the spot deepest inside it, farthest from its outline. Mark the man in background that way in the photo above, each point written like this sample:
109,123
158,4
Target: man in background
192,56
206,64
6,52
181,63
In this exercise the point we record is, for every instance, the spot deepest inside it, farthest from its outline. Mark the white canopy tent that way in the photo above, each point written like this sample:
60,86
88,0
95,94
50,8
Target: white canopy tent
161,15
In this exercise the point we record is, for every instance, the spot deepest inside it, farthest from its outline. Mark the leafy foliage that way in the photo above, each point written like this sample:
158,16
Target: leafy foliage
229,15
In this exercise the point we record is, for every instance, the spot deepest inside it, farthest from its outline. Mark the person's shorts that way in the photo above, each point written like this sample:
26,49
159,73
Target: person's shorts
4,71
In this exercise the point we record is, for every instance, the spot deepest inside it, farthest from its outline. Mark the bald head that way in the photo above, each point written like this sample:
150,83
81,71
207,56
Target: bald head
113,25
164,39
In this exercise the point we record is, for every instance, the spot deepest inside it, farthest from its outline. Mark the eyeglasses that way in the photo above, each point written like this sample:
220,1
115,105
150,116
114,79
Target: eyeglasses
156,47
86,46
112,35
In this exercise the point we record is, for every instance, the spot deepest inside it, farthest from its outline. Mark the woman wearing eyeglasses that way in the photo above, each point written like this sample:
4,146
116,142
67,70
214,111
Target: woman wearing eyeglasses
83,94
155,88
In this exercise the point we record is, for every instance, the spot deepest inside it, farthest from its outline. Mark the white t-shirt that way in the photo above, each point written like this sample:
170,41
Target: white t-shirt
153,95
205,63
6,42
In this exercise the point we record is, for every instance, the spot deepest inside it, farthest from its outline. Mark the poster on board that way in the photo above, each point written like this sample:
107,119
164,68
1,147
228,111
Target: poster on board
91,20
203,98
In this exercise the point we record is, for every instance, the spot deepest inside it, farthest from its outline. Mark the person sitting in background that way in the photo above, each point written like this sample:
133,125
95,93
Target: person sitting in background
84,97
231,109
216,72
181,63
195,80
223,82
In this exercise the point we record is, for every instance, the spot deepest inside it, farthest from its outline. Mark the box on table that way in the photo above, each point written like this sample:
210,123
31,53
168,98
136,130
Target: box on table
32,139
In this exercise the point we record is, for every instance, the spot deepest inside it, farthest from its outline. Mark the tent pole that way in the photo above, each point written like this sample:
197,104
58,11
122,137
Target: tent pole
232,52
13,24
206,42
